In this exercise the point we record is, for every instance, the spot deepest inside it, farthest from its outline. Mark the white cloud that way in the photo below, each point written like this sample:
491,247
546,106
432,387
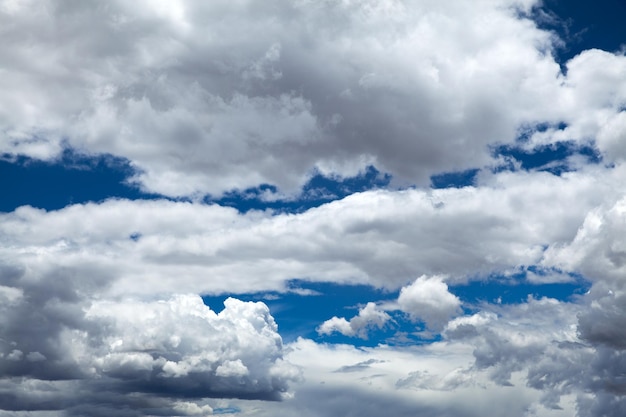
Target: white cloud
382,238
55,262
369,317
429,300
192,409
599,249
415,88
186,344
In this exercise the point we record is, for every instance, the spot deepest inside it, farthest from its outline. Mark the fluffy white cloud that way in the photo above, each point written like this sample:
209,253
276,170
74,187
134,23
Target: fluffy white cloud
591,102
429,300
54,262
198,106
369,317
191,348
192,409
599,248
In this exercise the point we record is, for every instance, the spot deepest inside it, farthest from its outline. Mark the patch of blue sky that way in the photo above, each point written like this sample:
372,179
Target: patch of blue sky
456,179
516,289
75,178
70,179
318,190
305,306
583,25
553,158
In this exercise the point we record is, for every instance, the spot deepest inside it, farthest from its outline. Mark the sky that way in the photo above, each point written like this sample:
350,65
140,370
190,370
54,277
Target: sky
313,208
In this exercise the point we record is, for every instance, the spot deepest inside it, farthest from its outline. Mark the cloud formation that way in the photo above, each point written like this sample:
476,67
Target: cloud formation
369,317
73,273
167,247
415,88
429,300
61,350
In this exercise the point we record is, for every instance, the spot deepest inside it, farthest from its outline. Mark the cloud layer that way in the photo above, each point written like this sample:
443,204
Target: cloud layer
205,98
166,247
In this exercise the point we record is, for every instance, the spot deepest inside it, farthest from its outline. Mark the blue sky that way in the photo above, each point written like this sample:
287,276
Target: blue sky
334,208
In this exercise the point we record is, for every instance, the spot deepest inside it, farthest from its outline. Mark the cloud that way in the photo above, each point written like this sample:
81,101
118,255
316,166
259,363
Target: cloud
429,300
76,274
600,326
190,101
536,339
64,347
78,317
598,250
369,317
434,380
166,247
237,352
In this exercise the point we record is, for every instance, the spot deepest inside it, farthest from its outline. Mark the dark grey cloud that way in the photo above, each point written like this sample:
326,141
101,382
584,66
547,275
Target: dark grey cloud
601,326
603,323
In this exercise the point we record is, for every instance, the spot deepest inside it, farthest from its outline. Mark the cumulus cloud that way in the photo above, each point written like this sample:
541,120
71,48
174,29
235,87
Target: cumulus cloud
369,317
179,90
237,352
598,249
61,349
429,300
548,350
